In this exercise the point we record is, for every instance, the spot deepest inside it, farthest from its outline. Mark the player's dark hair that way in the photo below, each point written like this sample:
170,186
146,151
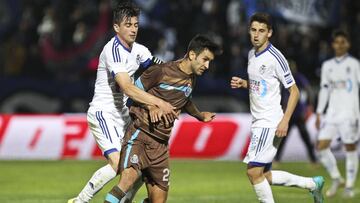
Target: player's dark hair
125,10
262,18
340,33
201,42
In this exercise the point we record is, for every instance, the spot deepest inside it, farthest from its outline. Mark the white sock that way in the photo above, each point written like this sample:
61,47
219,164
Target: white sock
290,180
96,182
328,160
263,192
352,165
131,193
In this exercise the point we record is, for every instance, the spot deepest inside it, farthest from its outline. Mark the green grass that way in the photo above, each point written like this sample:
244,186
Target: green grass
191,181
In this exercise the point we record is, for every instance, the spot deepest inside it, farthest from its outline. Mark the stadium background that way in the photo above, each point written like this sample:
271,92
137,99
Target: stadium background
48,61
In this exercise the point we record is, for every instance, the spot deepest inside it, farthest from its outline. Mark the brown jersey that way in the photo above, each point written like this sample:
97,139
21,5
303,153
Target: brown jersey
169,83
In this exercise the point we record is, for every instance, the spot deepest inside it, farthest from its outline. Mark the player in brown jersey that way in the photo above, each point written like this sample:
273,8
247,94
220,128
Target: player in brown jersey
145,149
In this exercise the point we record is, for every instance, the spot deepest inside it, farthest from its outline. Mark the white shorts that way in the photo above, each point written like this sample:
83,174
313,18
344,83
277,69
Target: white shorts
346,130
108,129
263,147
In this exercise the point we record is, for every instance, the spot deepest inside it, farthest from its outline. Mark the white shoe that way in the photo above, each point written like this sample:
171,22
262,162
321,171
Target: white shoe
348,193
74,200
336,184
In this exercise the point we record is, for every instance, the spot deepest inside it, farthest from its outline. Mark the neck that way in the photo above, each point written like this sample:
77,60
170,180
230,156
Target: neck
340,54
124,43
185,66
262,47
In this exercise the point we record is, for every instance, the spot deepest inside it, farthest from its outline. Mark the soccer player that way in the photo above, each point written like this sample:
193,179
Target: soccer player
267,70
108,115
146,148
339,88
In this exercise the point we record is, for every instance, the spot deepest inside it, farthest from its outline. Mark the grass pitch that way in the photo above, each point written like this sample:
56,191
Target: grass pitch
191,181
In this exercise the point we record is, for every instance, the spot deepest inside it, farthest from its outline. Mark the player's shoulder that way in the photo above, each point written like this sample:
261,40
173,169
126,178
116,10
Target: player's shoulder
352,59
139,47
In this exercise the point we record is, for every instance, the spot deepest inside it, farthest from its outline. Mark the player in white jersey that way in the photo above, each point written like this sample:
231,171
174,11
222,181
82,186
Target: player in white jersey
108,114
340,78
267,71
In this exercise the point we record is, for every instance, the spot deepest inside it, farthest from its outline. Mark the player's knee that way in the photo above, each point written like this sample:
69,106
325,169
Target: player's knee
350,147
254,175
322,145
114,160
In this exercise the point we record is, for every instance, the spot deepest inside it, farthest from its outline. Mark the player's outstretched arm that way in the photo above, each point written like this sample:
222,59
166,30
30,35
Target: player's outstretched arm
237,82
204,116
126,85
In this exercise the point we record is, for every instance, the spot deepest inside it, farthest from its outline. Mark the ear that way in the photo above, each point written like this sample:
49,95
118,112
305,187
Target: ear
270,33
192,55
116,28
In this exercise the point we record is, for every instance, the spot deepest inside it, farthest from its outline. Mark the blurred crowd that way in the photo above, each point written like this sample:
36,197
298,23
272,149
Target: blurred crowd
60,40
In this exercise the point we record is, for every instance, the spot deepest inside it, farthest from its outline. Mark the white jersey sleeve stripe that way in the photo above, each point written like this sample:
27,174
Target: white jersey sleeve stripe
115,52
279,59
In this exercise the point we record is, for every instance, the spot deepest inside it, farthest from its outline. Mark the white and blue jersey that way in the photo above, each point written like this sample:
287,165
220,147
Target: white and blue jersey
113,59
108,116
267,70
339,88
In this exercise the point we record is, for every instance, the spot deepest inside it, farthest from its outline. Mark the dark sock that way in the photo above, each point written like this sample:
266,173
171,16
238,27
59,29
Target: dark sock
115,193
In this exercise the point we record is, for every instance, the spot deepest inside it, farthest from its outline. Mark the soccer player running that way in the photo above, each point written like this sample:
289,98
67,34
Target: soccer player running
339,88
108,115
145,150
267,70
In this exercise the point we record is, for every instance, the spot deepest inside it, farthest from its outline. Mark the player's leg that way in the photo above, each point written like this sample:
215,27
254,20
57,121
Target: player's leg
107,132
260,184
131,163
350,138
327,158
260,154
156,194
127,180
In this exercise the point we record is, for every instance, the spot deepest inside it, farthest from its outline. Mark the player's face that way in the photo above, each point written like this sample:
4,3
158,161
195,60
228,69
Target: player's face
259,34
200,63
340,45
127,30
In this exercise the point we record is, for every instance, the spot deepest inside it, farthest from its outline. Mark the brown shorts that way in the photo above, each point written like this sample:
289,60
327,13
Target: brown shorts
146,154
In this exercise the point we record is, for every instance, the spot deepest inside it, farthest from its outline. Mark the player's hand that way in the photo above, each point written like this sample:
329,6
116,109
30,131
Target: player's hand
208,116
282,128
155,114
318,121
168,110
237,82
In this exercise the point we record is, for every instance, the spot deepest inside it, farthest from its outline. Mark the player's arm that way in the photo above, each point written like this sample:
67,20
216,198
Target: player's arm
237,82
283,126
204,116
125,84
323,97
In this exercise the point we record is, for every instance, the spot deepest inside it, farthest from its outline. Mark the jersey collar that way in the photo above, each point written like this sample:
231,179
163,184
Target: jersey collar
118,41
341,58
268,47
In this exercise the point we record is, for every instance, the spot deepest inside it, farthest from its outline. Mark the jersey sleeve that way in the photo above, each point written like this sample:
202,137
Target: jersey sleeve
357,69
324,91
283,72
114,61
145,57
150,78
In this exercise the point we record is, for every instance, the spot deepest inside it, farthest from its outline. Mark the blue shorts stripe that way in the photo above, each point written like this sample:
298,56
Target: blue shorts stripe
129,146
101,124
266,135
258,148
106,126
109,151
116,132
111,198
